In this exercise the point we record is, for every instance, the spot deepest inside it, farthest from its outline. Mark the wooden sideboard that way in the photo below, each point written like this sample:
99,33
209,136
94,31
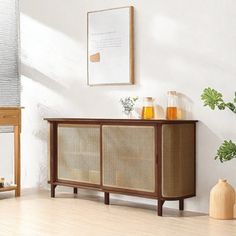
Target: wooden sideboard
146,158
11,116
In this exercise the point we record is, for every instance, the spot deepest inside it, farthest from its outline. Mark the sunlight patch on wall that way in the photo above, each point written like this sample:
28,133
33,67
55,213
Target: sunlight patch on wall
50,52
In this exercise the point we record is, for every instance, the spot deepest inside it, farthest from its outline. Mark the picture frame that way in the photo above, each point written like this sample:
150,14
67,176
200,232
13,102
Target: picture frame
110,46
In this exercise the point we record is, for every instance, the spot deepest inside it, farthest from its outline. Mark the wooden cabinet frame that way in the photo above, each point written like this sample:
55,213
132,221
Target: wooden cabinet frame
158,125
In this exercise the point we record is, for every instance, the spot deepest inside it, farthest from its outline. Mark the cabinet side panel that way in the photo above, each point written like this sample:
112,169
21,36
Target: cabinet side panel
79,153
129,157
178,160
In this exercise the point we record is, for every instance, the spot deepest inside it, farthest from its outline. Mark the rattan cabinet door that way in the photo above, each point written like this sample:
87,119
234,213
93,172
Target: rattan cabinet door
79,153
129,157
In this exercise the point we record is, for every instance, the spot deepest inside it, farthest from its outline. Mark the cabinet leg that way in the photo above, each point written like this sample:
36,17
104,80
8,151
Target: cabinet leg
106,198
159,207
75,190
181,204
53,190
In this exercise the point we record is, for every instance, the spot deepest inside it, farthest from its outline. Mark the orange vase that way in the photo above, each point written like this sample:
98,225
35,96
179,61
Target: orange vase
222,200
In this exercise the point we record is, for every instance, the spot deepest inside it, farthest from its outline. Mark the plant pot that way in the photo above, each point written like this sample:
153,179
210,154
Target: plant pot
222,200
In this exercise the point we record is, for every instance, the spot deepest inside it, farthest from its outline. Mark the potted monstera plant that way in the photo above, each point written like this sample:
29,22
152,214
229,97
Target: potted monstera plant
214,99
222,196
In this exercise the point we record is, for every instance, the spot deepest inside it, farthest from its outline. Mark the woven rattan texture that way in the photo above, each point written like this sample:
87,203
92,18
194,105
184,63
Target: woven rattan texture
129,157
178,160
79,153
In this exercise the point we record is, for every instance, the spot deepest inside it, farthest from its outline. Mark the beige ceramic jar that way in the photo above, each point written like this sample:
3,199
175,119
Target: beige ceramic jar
222,199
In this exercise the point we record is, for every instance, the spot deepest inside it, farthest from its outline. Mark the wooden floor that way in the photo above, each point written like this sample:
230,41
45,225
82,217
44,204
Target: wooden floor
35,213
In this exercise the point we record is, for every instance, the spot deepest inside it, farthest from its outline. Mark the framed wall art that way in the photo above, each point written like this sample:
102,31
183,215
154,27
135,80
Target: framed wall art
110,46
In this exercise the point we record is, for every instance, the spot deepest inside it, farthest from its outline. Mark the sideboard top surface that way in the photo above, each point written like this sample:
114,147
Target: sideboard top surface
106,120
11,108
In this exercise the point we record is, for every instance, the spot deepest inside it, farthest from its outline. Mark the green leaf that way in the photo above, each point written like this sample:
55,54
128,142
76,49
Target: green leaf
211,98
226,151
231,106
234,97
221,106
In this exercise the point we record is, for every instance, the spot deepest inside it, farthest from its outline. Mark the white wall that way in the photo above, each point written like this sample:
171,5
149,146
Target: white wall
183,45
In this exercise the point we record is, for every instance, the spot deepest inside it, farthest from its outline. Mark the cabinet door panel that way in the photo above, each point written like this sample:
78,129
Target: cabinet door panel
79,153
178,160
129,157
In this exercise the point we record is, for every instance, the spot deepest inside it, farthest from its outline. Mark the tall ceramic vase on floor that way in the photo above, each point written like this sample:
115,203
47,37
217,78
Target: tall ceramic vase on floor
222,199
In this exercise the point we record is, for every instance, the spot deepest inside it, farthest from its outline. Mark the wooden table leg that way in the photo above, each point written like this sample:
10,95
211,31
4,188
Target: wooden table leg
17,159
181,204
106,198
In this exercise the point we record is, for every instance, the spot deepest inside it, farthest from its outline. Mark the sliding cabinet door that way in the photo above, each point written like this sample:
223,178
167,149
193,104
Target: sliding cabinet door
129,157
79,153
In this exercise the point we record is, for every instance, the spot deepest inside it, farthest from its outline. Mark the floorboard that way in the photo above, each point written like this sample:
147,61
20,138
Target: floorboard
36,214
